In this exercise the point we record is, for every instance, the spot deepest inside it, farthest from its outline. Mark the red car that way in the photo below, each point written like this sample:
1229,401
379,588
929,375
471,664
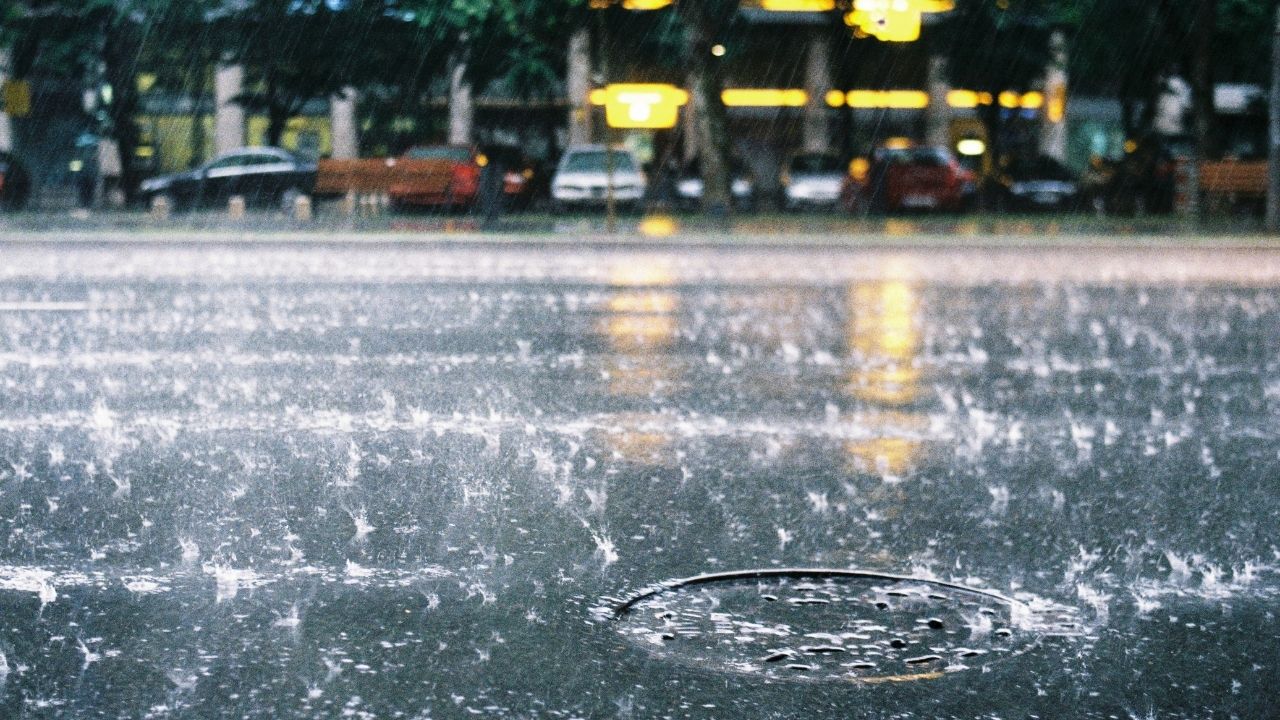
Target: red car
448,176
454,177
917,178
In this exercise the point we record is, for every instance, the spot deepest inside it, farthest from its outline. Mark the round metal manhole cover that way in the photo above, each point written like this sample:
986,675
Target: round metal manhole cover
823,625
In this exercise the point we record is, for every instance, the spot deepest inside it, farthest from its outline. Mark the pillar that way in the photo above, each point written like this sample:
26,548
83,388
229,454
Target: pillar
461,107
578,86
937,117
342,125
817,130
228,115
1053,128
6,125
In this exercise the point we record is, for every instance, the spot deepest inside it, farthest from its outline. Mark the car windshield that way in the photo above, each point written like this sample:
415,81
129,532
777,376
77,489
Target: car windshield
817,164
596,161
1040,169
440,152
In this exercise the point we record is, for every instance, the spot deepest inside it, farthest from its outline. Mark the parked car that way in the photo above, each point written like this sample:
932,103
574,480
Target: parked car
742,185
912,178
455,186
262,175
1035,183
522,179
582,178
15,183
812,180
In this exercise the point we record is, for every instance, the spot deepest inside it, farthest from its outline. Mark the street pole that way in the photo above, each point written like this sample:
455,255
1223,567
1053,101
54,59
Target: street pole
1273,136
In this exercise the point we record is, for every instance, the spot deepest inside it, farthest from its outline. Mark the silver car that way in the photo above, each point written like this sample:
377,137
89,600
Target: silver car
812,180
582,178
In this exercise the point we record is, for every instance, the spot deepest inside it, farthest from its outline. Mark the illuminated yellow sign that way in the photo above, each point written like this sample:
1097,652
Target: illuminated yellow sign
893,20
650,106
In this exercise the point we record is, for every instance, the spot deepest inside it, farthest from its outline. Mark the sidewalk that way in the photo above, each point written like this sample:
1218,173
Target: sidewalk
817,230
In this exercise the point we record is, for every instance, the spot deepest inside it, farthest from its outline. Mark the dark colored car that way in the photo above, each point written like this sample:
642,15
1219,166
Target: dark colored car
522,179
914,178
1036,183
15,183
742,185
262,175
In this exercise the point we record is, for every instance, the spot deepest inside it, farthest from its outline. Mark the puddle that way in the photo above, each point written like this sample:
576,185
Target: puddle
834,625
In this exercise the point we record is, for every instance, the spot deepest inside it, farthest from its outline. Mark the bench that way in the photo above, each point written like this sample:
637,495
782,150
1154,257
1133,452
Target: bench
380,175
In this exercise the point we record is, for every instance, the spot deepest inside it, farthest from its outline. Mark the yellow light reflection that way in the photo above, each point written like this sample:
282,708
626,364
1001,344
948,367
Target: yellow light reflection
659,226
884,336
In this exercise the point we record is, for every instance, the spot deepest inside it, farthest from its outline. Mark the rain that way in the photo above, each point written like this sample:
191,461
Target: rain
639,359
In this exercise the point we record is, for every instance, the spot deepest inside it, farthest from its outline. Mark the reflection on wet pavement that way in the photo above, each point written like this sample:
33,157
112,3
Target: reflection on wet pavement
397,481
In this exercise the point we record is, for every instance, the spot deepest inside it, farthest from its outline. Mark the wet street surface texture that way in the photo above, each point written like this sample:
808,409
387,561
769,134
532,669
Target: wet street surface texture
403,481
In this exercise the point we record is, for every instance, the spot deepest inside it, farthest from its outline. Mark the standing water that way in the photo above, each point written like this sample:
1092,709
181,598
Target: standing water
397,481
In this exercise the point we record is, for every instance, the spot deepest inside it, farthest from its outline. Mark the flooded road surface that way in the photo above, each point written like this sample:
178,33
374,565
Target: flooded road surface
400,481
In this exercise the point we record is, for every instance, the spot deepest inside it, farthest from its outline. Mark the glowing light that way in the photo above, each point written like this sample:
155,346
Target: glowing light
1010,100
717,50
640,105
898,143
888,99
1057,111
1032,101
756,97
963,99
482,160
645,4
971,147
860,169
798,5
835,98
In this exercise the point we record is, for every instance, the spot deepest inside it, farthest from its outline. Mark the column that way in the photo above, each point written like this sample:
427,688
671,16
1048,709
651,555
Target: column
578,87
937,117
817,130
6,125
461,108
1053,128
342,124
228,115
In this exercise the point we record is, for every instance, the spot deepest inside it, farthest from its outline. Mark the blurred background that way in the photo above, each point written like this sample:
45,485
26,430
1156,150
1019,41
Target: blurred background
863,106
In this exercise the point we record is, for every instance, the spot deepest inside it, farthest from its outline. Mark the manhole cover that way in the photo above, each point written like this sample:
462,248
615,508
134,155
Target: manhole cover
833,625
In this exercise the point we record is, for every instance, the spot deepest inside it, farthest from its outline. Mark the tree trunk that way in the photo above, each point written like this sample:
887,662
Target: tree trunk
1202,102
706,81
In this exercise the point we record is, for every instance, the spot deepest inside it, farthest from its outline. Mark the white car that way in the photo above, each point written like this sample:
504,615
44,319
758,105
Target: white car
812,180
582,178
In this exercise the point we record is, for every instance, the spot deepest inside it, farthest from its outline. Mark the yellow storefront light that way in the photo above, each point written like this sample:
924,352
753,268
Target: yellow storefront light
1032,101
1010,100
888,99
798,5
887,20
645,4
761,97
835,98
650,106
963,99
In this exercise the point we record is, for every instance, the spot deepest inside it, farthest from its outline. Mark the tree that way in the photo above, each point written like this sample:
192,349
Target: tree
993,46
703,22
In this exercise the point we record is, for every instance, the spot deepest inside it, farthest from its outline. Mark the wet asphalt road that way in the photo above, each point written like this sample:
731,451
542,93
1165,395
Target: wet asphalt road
275,480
